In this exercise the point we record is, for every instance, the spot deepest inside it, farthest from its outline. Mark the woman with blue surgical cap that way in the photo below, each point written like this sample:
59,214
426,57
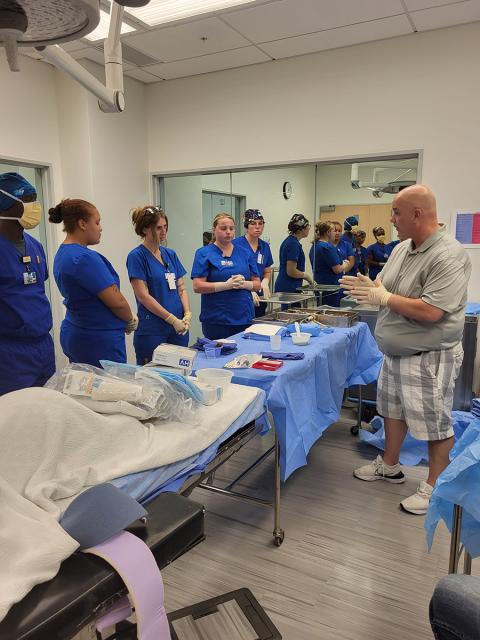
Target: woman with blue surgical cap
254,224
378,253
350,226
98,316
156,275
292,257
225,274
27,357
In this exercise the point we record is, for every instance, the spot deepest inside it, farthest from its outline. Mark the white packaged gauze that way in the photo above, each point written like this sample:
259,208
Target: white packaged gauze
79,383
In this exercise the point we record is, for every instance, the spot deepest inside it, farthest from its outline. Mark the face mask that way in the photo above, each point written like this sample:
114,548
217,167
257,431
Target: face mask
32,213
353,227
381,238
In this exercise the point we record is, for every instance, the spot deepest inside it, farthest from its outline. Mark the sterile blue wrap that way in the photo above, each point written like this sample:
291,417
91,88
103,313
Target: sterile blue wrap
282,331
413,451
309,327
473,309
458,484
305,396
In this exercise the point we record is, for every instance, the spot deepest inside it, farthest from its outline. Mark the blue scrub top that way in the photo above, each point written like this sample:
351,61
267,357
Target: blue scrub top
81,274
360,266
349,239
323,256
225,307
345,250
24,308
380,253
290,249
142,265
263,255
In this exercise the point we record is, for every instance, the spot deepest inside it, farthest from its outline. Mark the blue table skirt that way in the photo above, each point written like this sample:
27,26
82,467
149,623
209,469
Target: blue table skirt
460,484
305,396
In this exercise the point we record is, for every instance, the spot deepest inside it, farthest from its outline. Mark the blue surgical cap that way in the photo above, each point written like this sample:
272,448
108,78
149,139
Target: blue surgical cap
17,186
350,222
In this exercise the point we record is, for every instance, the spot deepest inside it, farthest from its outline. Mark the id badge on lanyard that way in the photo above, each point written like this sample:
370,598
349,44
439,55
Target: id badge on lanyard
260,258
170,278
29,277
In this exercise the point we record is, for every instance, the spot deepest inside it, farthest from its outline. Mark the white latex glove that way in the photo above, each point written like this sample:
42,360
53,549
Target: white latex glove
227,285
309,279
132,324
246,284
238,282
345,265
365,290
177,324
256,298
187,319
266,288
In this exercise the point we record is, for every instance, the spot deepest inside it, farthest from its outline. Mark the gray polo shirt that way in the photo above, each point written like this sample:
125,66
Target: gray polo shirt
437,272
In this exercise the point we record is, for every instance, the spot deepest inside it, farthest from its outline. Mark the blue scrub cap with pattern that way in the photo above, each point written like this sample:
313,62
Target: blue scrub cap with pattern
17,186
350,222
252,215
298,222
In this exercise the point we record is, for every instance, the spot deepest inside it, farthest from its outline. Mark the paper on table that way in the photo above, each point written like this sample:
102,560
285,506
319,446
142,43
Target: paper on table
263,329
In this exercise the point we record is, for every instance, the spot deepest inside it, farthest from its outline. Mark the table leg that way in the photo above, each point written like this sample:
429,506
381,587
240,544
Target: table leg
278,533
455,539
467,563
356,427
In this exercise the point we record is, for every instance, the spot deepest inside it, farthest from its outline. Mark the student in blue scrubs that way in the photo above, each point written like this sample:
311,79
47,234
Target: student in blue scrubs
344,248
156,275
27,357
98,316
292,257
350,226
225,275
361,254
254,223
378,253
326,263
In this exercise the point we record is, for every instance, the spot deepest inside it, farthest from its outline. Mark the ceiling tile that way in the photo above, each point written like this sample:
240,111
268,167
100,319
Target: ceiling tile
415,5
205,64
446,16
341,37
286,18
143,76
185,40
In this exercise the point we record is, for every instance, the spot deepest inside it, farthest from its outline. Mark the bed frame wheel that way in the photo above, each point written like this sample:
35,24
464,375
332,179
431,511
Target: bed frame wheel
278,537
354,430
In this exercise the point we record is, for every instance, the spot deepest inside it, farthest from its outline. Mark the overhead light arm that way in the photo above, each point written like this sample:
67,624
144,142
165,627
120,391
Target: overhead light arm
110,97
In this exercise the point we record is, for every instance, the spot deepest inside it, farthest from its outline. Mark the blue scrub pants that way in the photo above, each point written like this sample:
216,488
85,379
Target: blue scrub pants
26,362
145,345
218,331
261,310
89,346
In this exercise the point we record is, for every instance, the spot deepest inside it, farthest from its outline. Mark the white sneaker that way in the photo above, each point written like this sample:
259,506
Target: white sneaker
378,470
418,503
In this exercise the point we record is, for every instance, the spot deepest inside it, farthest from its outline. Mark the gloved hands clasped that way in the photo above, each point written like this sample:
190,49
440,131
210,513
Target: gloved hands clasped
187,319
180,326
365,290
132,324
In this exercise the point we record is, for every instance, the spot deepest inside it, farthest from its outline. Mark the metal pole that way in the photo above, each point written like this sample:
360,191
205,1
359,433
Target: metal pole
455,539
467,563
250,468
278,533
359,409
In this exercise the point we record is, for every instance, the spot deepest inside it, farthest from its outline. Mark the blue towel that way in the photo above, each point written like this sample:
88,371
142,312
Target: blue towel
278,355
311,328
257,336
227,348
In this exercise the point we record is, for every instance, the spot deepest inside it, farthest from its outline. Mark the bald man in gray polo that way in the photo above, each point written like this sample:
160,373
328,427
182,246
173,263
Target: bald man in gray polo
422,294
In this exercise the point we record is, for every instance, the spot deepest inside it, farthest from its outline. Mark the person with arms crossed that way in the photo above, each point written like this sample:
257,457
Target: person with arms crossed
422,294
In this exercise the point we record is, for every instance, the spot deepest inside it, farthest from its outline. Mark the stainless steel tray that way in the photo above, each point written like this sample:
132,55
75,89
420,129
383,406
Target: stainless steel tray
334,318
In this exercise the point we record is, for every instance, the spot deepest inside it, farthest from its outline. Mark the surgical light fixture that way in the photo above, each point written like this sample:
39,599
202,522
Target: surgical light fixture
163,11
101,32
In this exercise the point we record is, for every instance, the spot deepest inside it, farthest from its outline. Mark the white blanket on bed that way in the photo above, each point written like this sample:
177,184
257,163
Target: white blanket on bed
52,448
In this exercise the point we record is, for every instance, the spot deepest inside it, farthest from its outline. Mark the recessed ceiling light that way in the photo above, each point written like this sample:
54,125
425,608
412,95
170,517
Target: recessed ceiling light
161,11
101,32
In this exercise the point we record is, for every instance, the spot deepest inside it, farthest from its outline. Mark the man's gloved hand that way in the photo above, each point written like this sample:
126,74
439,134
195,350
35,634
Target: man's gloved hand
266,288
132,324
256,299
365,290
177,324
187,319
309,279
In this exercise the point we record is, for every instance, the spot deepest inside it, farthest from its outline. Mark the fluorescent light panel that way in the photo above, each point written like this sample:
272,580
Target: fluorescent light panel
101,32
161,11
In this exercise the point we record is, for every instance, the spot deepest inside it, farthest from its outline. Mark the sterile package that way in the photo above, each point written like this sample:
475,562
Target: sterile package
245,361
211,393
263,329
131,390
172,355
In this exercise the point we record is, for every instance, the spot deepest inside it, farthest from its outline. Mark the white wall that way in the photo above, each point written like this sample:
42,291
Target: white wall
404,94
